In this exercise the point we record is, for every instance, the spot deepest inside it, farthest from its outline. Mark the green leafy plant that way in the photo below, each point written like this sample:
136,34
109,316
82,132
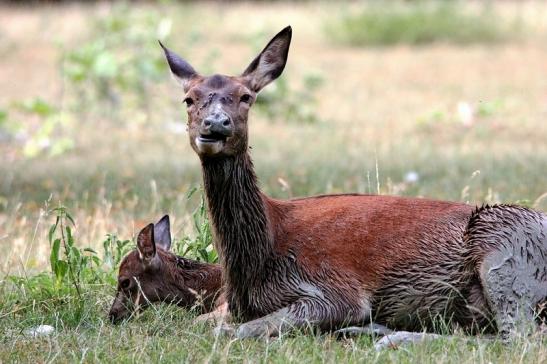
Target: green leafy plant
73,262
118,64
42,130
3,116
79,266
37,106
114,250
77,274
200,246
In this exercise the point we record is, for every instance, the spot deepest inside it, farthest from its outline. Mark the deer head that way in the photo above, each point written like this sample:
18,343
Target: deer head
218,105
151,273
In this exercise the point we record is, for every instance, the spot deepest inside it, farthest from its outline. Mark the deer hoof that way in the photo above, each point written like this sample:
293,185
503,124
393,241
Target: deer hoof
253,329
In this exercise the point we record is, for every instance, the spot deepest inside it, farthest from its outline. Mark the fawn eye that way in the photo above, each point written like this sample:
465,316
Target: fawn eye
246,98
124,283
189,102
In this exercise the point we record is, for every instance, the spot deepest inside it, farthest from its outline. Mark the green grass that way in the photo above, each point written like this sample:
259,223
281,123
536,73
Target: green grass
166,333
419,23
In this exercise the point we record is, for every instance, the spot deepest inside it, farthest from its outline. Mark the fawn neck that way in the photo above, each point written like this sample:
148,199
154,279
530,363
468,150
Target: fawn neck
242,229
203,280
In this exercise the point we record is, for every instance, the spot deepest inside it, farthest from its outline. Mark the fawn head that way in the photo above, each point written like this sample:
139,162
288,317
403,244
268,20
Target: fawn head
149,274
218,105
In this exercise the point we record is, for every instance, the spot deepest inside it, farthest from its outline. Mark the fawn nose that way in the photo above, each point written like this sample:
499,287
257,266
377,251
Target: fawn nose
218,122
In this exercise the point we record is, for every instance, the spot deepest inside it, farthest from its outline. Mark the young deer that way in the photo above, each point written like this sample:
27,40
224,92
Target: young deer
151,273
347,259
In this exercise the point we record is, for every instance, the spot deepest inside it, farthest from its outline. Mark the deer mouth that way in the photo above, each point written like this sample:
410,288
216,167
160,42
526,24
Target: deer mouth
212,138
210,144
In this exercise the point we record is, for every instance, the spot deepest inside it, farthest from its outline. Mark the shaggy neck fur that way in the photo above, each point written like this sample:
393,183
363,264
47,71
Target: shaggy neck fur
242,230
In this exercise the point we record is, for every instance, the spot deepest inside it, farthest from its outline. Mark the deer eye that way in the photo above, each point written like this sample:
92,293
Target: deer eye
124,283
188,101
246,98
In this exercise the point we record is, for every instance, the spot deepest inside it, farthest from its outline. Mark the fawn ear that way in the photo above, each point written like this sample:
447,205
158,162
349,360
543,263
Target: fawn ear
162,233
269,63
146,245
181,69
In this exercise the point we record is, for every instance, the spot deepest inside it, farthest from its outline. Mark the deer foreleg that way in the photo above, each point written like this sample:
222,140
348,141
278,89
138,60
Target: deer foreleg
301,314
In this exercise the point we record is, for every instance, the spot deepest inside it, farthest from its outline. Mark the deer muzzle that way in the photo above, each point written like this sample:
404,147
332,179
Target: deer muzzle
216,126
214,131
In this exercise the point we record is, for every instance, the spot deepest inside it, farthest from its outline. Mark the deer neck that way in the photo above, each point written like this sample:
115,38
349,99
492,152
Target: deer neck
238,212
204,280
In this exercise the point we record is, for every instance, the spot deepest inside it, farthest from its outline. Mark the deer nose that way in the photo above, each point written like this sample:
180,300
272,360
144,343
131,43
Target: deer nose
218,122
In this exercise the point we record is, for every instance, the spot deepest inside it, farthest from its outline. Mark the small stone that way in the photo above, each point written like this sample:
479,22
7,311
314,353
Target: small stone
40,330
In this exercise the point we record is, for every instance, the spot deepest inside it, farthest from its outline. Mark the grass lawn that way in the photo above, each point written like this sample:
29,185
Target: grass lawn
167,334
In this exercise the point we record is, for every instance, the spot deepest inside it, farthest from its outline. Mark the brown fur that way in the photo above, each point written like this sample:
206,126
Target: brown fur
335,260
165,278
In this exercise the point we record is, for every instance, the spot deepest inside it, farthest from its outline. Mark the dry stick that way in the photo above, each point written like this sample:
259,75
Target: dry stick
138,300
13,311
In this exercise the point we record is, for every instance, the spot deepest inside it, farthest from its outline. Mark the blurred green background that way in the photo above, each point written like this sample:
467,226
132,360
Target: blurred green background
446,100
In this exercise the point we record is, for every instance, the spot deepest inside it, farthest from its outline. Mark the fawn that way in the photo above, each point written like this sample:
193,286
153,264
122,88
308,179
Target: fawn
152,273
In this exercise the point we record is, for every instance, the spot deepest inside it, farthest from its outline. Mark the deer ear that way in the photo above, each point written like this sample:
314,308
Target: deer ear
162,233
181,69
269,63
146,245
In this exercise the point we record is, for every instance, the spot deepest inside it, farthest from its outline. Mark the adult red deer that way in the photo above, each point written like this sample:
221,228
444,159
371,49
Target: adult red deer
347,259
151,273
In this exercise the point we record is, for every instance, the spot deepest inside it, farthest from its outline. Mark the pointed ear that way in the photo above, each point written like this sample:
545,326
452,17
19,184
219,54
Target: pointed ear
146,245
269,64
162,233
181,69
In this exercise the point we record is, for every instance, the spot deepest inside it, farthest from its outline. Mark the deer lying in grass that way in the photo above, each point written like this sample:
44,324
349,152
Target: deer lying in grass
337,260
151,273
192,284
